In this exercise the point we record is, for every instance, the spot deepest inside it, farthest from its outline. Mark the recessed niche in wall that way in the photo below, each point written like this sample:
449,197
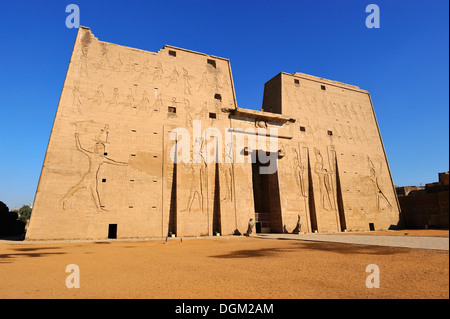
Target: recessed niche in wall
211,63
172,109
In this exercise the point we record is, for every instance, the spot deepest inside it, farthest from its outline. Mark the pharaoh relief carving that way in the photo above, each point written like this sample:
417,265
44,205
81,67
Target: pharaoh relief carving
198,179
157,104
129,101
144,103
144,72
96,157
219,79
375,170
83,62
226,171
158,72
173,77
103,61
325,181
187,84
113,103
97,102
77,100
188,109
204,83
117,65
301,173
204,110
130,66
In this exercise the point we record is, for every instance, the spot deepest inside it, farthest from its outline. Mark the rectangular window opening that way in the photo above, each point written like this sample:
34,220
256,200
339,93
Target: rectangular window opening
323,87
172,109
217,96
297,81
212,115
172,53
104,180
330,133
211,63
302,129
372,226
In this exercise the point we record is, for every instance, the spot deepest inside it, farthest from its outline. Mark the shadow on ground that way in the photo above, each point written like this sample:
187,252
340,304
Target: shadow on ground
298,248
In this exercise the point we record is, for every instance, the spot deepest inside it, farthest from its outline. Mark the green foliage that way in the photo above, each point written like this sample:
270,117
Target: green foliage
24,213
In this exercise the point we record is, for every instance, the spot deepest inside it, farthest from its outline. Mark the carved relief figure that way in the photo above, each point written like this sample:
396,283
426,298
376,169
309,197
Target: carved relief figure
114,102
173,78
83,62
226,171
76,105
98,99
102,136
157,74
300,173
216,81
204,111
375,177
187,85
130,66
145,70
324,181
198,179
203,82
129,102
188,108
117,65
144,103
90,179
195,192
104,60
158,103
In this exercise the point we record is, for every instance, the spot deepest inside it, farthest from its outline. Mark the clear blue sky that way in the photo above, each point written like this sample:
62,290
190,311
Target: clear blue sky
404,65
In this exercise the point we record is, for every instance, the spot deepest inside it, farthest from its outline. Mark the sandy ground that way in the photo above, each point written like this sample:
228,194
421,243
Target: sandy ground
226,267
